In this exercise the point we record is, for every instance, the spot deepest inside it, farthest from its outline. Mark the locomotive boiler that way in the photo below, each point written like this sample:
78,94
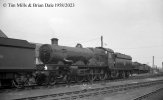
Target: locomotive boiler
55,54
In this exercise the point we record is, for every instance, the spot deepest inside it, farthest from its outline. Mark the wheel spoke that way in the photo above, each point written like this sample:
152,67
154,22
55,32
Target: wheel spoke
17,84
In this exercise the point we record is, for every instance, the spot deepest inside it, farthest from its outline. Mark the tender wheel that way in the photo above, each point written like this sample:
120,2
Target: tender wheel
17,82
20,80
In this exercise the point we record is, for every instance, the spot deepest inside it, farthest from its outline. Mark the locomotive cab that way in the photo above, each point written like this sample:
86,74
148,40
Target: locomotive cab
110,56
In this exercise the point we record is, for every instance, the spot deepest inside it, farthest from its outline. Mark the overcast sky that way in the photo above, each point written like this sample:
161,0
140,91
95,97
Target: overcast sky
132,27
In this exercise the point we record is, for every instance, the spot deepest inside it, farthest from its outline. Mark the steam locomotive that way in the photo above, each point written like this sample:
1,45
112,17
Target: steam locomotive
59,63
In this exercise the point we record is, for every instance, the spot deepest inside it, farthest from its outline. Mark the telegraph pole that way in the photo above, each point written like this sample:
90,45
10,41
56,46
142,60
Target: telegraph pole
162,65
153,62
101,41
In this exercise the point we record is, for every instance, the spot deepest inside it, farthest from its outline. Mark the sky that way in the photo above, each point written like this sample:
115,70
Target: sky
132,27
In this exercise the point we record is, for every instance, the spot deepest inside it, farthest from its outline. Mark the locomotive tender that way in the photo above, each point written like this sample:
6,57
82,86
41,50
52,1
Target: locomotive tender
17,58
139,68
58,63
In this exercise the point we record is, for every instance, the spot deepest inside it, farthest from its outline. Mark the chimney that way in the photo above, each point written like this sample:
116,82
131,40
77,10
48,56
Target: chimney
54,41
79,45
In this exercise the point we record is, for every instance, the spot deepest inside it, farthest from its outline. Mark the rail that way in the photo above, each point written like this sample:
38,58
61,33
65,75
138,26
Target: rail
148,94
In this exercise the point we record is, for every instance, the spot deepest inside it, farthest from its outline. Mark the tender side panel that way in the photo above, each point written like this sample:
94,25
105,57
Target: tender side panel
19,56
123,61
16,58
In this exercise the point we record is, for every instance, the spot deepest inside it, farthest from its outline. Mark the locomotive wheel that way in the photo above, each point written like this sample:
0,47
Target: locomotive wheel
108,75
92,76
127,74
72,78
75,78
41,79
80,79
52,80
66,78
123,75
97,74
103,75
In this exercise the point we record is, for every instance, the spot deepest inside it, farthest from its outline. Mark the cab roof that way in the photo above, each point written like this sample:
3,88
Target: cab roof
16,43
106,49
123,56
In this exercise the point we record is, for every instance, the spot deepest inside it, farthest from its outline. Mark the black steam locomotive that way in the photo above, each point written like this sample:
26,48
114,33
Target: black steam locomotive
59,63
84,63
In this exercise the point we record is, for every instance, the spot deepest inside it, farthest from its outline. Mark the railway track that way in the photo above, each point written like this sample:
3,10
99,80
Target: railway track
73,84
90,92
148,94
